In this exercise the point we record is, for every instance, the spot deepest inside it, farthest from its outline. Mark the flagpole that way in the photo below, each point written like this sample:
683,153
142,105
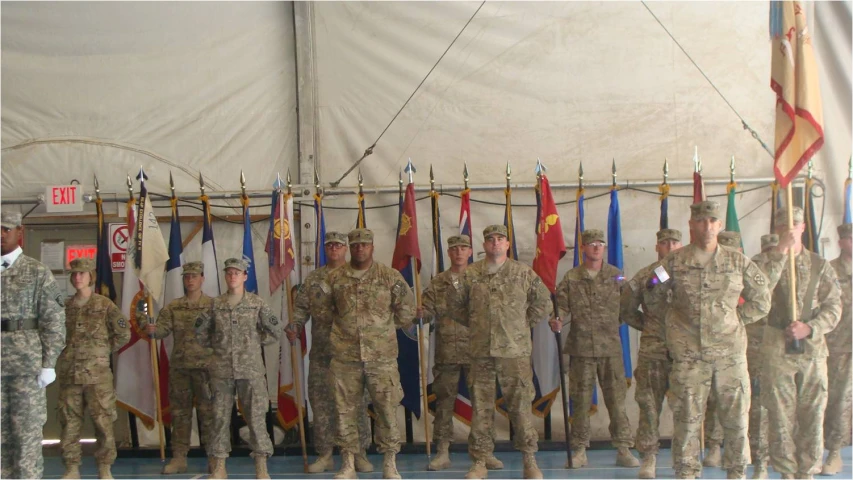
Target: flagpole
155,370
793,345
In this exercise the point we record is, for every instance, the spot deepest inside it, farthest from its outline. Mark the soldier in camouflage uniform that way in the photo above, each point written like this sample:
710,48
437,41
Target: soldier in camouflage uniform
589,296
452,355
369,302
33,335
314,302
504,299
96,328
838,364
653,362
237,326
706,338
794,392
188,365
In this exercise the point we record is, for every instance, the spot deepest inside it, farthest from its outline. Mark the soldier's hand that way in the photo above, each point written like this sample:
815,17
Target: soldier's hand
556,324
786,241
419,313
150,329
798,330
292,332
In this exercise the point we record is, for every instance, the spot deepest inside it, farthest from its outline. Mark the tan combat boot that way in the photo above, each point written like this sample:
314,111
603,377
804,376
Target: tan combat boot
647,469
788,476
478,470
737,472
442,459
531,470
760,471
625,459
104,470
218,468
72,470
261,467
210,464
347,466
712,459
805,476
578,458
178,464
324,462
362,464
832,465
389,466
492,463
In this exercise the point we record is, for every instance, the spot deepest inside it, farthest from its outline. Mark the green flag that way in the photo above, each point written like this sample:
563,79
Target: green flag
731,212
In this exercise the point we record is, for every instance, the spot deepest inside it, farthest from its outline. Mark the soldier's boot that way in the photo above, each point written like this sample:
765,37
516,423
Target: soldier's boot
442,459
362,464
218,468
832,465
210,464
760,471
347,466
712,459
578,458
72,470
531,470
389,466
789,476
736,472
261,467
178,464
688,476
104,470
478,470
647,469
625,459
324,462
805,476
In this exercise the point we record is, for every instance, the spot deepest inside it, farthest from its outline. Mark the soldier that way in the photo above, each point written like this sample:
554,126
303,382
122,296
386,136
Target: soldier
33,335
589,296
504,299
706,338
96,328
653,362
838,364
314,302
237,326
369,302
452,355
188,366
795,391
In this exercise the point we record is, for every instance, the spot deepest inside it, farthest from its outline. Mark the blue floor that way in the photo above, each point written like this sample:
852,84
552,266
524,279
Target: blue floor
602,465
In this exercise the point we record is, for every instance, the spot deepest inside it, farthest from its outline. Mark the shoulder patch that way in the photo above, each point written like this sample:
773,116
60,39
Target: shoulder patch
759,279
273,320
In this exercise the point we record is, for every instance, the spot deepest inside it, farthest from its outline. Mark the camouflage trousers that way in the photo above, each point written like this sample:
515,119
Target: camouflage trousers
321,394
515,376
795,398
712,427
610,372
100,398
690,383
254,403
758,441
383,383
23,413
652,377
836,427
186,384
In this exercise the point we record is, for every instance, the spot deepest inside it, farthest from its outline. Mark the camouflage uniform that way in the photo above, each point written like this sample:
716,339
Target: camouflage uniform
368,306
591,306
32,338
838,364
237,336
95,330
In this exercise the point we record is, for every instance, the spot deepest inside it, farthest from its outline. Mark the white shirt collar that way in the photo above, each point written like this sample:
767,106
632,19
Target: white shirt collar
11,257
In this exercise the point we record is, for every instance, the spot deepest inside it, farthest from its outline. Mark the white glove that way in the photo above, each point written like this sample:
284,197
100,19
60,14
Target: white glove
46,377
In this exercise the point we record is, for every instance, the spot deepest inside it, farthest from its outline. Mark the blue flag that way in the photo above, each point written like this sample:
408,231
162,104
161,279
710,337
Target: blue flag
174,281
320,217
664,206
211,286
248,250
103,264
848,201
614,257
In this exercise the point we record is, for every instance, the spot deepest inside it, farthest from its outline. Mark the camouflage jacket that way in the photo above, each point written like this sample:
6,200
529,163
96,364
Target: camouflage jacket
314,302
591,306
826,306
502,307
179,318
442,306
650,321
704,319
237,336
95,330
772,268
367,312
839,340
30,294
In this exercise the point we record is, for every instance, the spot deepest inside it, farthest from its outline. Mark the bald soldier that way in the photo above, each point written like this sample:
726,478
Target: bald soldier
653,361
706,338
838,364
794,392
588,298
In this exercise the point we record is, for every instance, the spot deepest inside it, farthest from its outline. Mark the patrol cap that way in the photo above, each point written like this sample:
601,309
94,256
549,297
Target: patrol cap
593,235
360,235
781,218
769,240
706,209
844,230
494,230
82,265
335,237
193,267
459,241
10,219
729,239
669,234
237,263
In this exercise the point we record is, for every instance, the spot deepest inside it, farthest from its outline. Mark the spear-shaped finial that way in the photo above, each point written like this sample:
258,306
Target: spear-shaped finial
401,182
850,167
141,176
410,169
243,183
277,183
613,172
732,170
508,175
289,182
129,186
360,182
431,179
810,170
540,169
465,175
316,180
580,175
172,185
696,167
201,183
97,188
665,170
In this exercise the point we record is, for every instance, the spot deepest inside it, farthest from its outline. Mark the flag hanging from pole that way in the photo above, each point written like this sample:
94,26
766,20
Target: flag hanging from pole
248,250
210,287
151,254
103,264
811,235
320,217
465,227
664,205
775,204
732,224
848,201
614,257
279,246
361,220
510,226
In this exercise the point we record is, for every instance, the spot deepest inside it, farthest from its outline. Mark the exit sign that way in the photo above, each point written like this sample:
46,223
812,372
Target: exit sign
63,198
73,252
